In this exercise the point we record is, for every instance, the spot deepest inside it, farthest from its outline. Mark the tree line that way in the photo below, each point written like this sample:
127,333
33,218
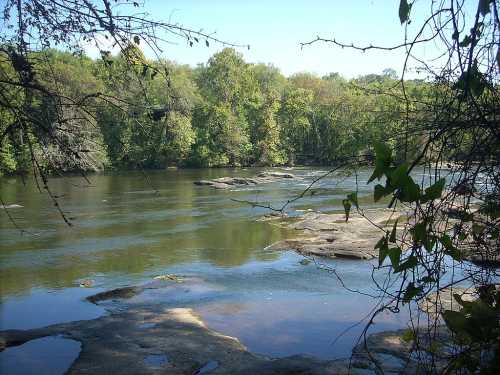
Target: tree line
153,114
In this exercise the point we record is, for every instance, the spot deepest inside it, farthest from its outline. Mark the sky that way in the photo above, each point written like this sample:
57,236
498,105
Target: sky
274,30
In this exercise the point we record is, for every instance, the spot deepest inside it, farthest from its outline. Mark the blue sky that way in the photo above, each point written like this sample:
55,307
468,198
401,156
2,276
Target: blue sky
275,28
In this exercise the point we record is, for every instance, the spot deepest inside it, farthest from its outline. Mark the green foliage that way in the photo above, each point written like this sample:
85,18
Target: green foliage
404,11
477,328
227,112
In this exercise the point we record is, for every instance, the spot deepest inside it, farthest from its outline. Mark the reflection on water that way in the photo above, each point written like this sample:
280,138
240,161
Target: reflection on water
125,234
42,308
123,228
44,356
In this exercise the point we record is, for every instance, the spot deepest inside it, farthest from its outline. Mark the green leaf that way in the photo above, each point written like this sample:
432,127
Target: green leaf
465,41
472,80
383,250
399,176
410,192
490,207
383,152
419,232
409,263
427,279
477,229
379,192
395,256
411,292
484,7
449,249
434,191
392,238
347,208
404,11
383,160
353,197
455,321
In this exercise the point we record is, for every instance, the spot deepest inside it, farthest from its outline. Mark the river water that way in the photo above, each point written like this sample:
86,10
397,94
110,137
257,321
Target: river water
125,233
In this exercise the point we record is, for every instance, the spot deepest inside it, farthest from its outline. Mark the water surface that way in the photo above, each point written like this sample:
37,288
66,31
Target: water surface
127,231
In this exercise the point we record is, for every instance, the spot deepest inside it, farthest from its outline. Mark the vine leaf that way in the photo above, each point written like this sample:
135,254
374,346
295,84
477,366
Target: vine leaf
434,191
411,292
383,159
347,208
404,11
395,257
383,247
465,41
484,7
392,238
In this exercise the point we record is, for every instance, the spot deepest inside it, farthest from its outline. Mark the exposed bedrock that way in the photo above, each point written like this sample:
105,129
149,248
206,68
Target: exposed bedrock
329,235
261,178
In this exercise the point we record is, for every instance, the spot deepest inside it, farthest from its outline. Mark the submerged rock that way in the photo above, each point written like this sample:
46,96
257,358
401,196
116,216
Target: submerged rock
86,283
169,277
228,182
119,293
329,235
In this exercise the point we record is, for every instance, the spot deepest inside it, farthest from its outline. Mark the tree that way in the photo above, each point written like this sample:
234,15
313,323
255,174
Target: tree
229,87
266,133
36,26
295,118
454,220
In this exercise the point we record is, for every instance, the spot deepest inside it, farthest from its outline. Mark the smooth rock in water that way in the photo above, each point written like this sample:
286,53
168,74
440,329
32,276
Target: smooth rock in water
86,283
169,277
276,174
329,235
228,182
119,293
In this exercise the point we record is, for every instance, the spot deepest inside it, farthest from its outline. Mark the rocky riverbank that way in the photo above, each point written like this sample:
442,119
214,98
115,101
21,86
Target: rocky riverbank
329,235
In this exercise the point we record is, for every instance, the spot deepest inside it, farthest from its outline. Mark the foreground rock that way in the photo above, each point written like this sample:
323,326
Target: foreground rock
261,178
329,235
149,340
180,343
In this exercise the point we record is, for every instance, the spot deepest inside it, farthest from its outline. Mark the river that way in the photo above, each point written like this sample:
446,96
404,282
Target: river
128,229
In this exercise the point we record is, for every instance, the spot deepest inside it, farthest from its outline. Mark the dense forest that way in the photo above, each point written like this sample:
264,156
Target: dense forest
226,112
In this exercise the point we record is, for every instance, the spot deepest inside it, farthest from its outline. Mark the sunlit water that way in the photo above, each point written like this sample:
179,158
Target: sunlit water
125,233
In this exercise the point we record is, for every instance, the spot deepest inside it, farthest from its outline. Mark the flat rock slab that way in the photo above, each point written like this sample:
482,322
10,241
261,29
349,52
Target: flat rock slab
146,340
329,235
229,182
151,339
